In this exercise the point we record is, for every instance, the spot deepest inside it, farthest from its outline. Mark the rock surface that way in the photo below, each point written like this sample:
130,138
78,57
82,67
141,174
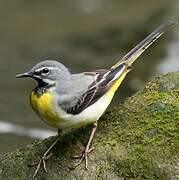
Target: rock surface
137,140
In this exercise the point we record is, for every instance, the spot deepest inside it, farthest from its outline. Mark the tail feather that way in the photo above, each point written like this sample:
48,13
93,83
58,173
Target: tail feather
132,55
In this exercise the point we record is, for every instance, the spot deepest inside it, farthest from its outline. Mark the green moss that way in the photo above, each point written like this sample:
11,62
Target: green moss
137,140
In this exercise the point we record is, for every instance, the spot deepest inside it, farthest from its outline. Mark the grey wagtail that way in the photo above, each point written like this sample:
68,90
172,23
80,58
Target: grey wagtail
68,101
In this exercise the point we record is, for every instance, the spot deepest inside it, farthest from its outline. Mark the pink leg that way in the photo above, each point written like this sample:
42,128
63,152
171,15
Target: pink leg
46,156
84,155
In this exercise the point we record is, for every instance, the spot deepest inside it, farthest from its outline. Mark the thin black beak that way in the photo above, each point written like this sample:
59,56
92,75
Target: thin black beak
26,74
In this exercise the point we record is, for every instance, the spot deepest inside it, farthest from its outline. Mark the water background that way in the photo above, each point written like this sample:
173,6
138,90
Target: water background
84,35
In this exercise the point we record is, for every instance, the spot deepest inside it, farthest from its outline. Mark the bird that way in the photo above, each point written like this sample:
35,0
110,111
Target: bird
68,101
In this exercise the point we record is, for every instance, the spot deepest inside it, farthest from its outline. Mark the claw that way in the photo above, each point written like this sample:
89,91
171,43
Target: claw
81,157
45,157
84,154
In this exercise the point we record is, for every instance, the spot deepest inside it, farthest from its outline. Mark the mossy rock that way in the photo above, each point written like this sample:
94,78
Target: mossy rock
137,140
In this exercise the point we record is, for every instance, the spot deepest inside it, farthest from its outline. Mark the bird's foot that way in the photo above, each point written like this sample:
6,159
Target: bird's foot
83,157
41,162
84,154
43,159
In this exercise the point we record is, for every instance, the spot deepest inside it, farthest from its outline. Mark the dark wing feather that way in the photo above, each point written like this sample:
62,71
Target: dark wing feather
97,89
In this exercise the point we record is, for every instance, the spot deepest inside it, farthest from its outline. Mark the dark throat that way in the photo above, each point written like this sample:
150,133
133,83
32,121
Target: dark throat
42,87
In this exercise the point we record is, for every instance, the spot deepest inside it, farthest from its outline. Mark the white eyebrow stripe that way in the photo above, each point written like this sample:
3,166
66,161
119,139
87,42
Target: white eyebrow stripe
40,69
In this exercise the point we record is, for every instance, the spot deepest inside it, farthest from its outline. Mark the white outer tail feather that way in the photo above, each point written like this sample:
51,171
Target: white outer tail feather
132,55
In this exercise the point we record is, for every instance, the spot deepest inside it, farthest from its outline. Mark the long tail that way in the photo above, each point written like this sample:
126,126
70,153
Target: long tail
132,55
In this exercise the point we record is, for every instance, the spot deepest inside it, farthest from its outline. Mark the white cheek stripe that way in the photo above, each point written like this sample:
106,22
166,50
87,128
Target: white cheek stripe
48,81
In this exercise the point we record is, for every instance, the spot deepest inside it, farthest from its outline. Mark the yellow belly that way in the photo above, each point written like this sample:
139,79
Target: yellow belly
43,106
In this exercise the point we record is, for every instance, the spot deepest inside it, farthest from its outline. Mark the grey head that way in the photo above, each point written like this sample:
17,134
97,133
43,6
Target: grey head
48,72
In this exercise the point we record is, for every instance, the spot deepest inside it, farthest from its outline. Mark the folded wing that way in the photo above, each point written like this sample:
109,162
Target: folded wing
103,81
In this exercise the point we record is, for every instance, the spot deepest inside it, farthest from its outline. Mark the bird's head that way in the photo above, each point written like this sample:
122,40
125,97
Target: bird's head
47,72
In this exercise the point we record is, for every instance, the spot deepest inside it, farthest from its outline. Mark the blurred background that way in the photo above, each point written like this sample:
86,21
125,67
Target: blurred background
84,35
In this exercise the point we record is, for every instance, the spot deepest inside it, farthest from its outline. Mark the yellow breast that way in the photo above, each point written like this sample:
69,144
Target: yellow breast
43,106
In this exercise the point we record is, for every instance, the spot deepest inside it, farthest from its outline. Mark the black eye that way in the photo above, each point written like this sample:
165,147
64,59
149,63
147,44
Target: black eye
45,71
